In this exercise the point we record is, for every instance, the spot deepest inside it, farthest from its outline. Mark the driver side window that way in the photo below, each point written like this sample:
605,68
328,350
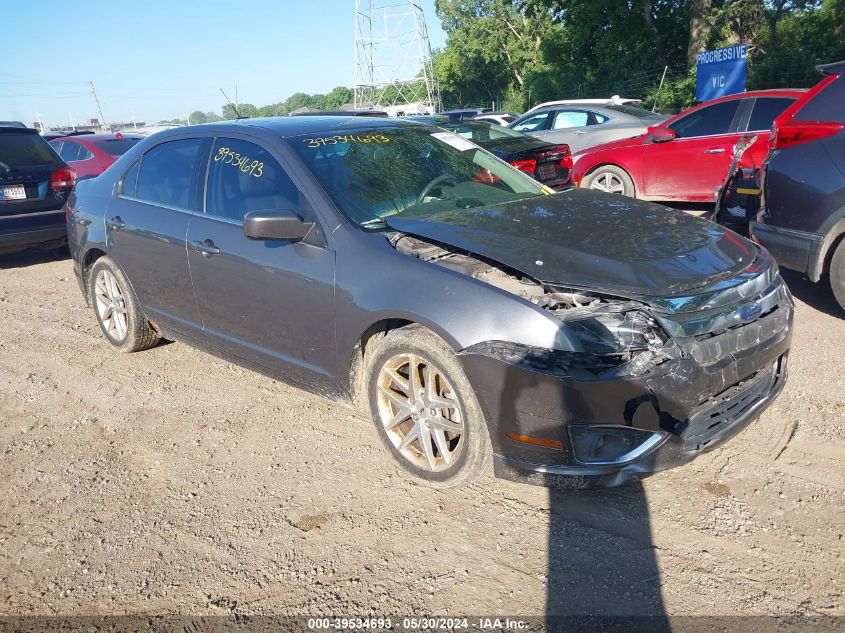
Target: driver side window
533,123
244,177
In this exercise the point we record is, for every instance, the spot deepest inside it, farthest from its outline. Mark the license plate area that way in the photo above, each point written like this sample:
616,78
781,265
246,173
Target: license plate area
12,192
546,172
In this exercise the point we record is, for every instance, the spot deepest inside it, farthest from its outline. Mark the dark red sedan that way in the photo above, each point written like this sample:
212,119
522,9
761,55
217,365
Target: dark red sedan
91,154
685,158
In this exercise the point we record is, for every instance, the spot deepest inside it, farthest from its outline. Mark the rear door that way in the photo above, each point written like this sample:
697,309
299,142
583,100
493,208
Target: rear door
78,157
270,302
26,200
692,166
146,225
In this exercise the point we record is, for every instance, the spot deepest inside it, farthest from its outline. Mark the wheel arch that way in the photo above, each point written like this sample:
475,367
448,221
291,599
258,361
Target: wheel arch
87,262
608,163
832,238
374,331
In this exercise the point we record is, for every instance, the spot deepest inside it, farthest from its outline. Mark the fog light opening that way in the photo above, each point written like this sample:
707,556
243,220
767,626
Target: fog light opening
600,445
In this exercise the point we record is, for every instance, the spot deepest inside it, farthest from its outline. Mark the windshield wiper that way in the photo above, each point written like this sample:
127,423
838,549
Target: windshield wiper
373,222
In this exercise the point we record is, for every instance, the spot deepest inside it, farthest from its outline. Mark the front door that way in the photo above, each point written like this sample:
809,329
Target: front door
693,165
268,302
146,226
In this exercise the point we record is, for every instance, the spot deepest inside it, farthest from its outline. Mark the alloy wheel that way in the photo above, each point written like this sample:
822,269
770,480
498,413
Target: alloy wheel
420,412
111,306
609,183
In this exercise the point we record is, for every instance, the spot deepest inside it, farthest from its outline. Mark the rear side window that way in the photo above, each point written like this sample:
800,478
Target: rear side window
116,147
130,179
708,121
826,105
20,149
245,177
69,151
569,118
166,174
766,110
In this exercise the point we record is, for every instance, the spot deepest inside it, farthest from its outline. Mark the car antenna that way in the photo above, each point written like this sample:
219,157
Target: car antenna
237,114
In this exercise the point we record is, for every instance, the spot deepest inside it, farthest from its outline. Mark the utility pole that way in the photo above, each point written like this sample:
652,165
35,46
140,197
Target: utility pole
237,103
72,124
99,109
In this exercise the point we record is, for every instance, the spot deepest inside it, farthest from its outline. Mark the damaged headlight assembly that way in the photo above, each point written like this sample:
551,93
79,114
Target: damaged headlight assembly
607,342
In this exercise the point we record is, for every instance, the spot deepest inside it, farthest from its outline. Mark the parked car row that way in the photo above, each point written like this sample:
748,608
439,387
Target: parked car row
36,176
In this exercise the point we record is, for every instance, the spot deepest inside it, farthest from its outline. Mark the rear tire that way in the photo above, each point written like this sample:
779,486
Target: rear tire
837,273
424,408
118,311
610,179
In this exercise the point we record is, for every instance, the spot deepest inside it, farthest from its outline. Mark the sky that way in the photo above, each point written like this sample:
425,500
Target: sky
157,59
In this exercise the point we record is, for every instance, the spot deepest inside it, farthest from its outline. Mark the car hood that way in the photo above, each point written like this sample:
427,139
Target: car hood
586,239
631,141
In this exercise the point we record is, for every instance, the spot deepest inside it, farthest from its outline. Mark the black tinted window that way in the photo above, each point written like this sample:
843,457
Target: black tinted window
766,110
25,149
826,105
166,173
244,177
116,147
709,121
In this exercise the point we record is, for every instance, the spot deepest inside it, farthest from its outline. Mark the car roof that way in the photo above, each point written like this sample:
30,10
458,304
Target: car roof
832,68
98,137
296,125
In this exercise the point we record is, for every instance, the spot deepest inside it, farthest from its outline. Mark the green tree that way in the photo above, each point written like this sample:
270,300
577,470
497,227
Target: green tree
198,116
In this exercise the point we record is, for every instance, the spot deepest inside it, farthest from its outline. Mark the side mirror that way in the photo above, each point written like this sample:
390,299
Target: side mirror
663,134
278,224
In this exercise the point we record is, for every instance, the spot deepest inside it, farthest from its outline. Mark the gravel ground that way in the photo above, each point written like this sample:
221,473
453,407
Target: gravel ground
172,482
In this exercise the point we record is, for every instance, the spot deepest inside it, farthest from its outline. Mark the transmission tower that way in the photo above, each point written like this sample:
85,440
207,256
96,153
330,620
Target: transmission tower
393,63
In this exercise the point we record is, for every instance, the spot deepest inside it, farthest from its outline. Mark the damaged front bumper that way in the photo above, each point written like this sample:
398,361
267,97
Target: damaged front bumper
544,425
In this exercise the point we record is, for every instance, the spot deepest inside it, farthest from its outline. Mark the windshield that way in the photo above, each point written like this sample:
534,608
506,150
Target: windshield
413,171
640,113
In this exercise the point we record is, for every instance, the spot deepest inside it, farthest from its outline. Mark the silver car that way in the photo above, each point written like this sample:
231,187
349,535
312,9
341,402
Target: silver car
585,125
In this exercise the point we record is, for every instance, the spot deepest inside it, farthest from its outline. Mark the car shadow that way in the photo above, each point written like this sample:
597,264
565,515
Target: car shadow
33,257
818,296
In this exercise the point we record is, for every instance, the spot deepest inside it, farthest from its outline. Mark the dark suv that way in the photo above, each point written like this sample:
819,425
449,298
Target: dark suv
473,314
34,184
802,216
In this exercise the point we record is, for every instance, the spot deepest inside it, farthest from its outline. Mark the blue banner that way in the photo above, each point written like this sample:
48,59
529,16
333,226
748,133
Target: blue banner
720,72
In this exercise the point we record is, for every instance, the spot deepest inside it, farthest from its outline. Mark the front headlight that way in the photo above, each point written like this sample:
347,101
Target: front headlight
606,344
608,333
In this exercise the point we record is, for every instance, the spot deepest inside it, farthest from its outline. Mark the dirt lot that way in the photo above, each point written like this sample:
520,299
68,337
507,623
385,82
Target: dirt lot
172,482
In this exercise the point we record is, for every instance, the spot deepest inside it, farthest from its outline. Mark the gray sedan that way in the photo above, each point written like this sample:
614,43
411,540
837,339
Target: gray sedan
476,317
581,125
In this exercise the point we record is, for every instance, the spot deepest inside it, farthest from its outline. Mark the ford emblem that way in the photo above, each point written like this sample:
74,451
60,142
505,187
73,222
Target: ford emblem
749,312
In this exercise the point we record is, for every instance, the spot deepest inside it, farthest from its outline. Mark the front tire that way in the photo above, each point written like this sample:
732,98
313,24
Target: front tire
610,179
118,311
837,273
424,408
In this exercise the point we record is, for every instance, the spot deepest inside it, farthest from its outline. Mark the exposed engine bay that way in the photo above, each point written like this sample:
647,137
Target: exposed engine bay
496,275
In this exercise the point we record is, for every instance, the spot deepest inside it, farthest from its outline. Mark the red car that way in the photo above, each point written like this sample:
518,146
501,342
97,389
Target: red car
91,154
685,158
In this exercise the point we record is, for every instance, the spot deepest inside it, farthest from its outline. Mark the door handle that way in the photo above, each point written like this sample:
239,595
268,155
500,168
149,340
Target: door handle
83,221
115,223
716,150
206,247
